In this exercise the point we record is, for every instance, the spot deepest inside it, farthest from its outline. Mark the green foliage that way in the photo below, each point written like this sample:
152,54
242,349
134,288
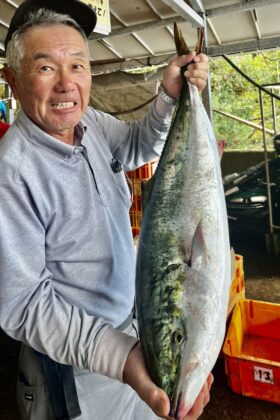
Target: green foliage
233,94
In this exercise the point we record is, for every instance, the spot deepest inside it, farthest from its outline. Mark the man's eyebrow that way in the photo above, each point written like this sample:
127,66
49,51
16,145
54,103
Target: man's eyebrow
79,54
39,55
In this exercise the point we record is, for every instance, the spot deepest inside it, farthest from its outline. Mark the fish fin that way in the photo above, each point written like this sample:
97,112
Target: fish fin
180,43
146,191
232,263
192,365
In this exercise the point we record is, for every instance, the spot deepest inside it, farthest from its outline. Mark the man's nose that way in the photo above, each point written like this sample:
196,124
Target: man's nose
64,82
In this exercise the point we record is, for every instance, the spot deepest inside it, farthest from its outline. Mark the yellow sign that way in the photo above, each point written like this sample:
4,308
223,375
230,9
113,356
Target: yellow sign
102,10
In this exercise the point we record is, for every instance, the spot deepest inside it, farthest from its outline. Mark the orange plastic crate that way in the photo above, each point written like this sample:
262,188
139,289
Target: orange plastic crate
135,231
144,172
237,290
136,203
252,350
135,219
136,185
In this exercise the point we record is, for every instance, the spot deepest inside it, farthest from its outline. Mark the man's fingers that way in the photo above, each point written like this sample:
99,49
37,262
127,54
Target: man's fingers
183,60
197,408
196,74
191,59
201,58
201,65
201,401
200,83
137,376
210,381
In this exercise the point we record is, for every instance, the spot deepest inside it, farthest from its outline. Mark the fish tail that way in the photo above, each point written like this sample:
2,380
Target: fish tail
200,39
181,45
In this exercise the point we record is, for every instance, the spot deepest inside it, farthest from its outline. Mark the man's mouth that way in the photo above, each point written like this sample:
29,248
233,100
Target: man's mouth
63,105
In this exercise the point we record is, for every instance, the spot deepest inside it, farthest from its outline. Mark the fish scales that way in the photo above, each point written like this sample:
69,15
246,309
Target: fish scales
183,258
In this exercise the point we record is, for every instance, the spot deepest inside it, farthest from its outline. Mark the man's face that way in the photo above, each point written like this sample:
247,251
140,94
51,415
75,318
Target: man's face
54,83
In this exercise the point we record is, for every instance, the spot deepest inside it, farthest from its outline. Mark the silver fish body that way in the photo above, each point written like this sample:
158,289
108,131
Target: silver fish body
183,259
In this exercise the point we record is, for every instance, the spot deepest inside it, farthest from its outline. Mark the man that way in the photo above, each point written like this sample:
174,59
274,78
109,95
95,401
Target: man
66,249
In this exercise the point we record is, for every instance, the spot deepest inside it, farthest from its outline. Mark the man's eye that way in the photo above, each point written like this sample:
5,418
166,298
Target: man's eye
45,68
78,67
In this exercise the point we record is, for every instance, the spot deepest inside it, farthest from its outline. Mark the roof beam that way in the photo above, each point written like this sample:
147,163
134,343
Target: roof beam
197,6
184,10
154,9
239,7
12,3
107,44
256,22
235,48
214,32
110,67
4,23
139,27
245,46
136,36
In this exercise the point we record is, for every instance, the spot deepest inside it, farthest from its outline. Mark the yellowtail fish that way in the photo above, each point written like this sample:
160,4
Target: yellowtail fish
183,260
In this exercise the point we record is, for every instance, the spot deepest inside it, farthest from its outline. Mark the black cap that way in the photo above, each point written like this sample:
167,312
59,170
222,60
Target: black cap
83,14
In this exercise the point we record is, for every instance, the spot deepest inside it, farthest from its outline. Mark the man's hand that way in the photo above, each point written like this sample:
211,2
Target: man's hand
197,73
136,375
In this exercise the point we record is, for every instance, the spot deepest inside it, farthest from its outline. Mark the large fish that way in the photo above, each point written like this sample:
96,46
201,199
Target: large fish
183,260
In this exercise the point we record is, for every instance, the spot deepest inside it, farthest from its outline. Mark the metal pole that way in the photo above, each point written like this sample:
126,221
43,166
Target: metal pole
206,93
183,9
274,114
266,165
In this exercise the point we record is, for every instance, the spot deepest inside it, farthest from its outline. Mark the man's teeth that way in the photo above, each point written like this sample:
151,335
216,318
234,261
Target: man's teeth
63,105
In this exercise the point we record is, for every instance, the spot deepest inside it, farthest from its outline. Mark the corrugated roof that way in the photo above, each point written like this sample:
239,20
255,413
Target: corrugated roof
142,30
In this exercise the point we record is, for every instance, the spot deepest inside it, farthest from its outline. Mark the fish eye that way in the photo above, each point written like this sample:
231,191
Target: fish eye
177,337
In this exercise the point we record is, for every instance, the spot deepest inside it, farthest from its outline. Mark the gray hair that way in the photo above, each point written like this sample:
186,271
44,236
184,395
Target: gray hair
15,49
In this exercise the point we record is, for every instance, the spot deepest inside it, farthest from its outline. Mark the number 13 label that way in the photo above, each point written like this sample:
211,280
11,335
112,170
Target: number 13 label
263,375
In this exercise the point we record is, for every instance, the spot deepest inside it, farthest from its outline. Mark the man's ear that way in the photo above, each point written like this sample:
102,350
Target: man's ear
11,79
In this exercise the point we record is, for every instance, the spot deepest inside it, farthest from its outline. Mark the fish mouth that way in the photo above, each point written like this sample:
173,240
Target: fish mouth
175,403
179,406
179,409
174,412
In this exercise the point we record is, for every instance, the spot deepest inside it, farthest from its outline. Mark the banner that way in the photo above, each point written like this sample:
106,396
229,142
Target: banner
102,10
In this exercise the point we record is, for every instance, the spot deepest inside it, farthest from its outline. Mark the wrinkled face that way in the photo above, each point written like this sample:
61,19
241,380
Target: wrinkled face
54,83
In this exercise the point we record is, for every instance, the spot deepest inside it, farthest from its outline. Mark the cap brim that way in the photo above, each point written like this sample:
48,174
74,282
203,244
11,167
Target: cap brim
83,14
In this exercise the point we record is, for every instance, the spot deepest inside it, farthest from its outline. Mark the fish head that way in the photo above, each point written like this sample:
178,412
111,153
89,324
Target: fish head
168,351
165,333
189,384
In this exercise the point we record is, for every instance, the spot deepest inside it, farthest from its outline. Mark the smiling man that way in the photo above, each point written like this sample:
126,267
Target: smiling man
67,256
55,79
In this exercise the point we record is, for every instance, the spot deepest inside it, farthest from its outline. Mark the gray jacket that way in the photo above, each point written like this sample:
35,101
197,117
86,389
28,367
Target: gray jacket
67,261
